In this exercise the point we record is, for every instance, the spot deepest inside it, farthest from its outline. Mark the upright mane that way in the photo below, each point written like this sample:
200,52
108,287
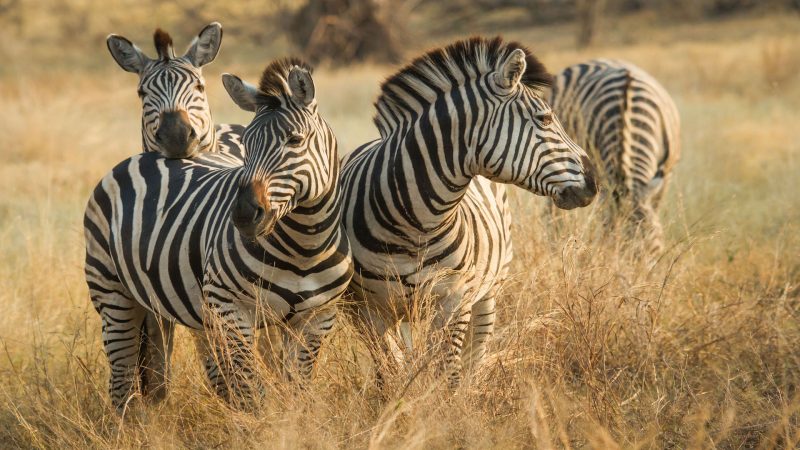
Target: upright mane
163,43
273,79
442,69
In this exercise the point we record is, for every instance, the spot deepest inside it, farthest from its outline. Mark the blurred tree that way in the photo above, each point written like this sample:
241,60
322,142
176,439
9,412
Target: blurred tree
588,16
341,32
10,12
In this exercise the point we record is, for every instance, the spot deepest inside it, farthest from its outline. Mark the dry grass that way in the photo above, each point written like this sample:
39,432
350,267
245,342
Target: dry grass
592,350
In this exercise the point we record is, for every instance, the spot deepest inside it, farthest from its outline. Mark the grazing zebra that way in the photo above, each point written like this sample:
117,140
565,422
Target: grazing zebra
192,239
176,118
423,205
627,119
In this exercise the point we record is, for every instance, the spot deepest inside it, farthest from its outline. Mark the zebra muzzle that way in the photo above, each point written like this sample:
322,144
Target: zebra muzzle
175,135
579,196
250,216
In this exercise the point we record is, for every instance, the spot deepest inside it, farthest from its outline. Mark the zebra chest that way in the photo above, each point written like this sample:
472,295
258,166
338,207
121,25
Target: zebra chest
272,287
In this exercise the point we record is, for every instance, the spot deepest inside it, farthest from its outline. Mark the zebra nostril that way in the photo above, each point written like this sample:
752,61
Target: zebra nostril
192,133
259,215
159,135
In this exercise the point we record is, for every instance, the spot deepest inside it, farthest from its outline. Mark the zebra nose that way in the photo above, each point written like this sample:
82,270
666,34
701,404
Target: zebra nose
249,215
247,211
175,134
580,196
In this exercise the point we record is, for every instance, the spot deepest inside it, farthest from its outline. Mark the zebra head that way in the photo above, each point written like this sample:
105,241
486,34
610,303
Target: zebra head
176,119
523,143
291,151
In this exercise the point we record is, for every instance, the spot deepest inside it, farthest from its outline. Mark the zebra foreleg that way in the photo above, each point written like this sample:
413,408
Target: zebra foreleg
454,319
155,358
303,339
229,358
373,327
481,328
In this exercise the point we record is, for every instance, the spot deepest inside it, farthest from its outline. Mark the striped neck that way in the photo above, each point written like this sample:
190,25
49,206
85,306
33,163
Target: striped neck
431,162
309,226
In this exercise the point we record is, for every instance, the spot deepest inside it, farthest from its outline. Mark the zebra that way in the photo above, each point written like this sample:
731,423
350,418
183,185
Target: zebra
176,118
628,121
191,240
425,205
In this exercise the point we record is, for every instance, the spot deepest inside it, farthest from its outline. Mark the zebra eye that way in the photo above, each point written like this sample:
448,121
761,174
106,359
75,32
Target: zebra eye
294,140
200,88
545,119
141,93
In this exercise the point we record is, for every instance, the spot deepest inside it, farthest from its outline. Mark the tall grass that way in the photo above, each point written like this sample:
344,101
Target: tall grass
592,348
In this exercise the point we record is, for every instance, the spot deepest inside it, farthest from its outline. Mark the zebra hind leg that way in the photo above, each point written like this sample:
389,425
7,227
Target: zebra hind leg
154,356
122,322
648,227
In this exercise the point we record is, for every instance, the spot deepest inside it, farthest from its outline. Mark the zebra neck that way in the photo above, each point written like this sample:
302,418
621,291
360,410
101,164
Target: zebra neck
429,166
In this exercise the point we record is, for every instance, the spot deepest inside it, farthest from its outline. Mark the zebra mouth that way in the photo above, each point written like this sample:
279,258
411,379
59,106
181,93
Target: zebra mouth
574,197
255,228
181,151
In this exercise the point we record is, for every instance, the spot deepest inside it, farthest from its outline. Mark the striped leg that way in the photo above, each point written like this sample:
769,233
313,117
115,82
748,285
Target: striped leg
304,337
480,330
229,357
157,334
454,318
269,344
373,326
123,319
649,228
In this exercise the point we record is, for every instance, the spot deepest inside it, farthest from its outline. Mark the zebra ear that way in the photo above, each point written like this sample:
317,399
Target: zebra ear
205,46
301,86
127,55
511,70
243,94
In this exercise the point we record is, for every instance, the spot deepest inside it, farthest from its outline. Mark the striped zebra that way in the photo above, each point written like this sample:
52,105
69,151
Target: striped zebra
191,240
628,121
176,118
424,207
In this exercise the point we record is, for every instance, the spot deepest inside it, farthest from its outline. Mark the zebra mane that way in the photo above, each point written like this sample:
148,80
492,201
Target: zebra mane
163,43
443,68
273,80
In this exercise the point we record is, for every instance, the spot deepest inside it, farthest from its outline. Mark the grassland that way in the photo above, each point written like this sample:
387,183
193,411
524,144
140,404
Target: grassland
592,350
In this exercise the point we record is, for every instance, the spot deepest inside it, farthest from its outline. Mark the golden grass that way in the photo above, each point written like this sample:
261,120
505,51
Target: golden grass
591,349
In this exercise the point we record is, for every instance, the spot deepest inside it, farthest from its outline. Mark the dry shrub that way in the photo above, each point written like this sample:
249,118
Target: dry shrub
780,62
591,349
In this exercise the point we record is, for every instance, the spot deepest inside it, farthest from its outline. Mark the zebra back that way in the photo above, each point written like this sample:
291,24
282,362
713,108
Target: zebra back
625,118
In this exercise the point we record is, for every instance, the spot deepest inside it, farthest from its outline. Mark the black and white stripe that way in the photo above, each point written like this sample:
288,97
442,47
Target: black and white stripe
424,210
161,238
172,90
628,120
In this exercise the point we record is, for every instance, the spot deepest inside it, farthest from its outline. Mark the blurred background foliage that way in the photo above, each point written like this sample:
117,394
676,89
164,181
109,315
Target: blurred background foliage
340,32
